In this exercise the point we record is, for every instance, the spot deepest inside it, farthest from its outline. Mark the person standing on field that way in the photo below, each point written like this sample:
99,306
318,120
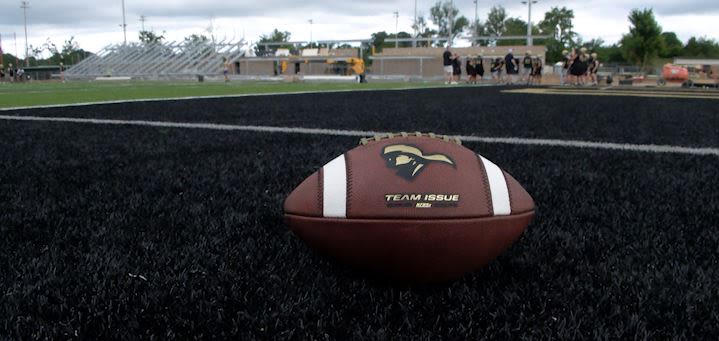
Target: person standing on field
527,66
226,69
447,64
510,65
456,69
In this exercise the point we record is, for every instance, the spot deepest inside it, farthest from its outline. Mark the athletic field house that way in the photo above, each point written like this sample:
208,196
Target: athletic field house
162,219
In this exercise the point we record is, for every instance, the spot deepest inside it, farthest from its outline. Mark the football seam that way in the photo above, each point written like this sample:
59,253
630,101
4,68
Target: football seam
488,190
348,203
509,191
320,192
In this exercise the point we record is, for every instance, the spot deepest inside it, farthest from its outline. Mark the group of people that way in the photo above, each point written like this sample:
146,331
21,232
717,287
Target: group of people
579,67
508,70
11,74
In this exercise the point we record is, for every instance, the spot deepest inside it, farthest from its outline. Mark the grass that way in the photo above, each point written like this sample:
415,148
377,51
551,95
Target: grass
46,93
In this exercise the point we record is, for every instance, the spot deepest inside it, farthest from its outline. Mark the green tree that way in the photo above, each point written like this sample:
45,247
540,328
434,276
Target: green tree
496,20
479,29
276,36
594,44
196,39
671,45
71,52
515,27
644,41
557,23
150,37
702,48
610,54
378,40
423,31
444,15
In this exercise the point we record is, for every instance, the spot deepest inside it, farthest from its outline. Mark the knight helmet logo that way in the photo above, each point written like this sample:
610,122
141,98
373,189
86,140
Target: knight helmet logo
410,161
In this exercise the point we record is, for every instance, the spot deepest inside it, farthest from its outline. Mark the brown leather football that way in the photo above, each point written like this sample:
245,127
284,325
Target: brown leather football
413,207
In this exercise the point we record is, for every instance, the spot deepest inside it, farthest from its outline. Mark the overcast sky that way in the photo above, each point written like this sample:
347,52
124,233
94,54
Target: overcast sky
96,23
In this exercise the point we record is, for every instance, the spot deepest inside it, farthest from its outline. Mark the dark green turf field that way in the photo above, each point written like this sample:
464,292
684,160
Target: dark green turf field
112,231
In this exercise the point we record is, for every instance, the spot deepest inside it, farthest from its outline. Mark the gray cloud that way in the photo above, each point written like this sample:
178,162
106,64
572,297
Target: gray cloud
104,16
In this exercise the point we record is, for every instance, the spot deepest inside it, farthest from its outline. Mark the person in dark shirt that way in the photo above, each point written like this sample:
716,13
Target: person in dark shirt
536,77
511,66
565,67
479,68
456,69
447,64
471,70
575,69
527,66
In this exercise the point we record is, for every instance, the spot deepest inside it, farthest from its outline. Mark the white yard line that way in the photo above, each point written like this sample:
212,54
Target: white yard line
647,148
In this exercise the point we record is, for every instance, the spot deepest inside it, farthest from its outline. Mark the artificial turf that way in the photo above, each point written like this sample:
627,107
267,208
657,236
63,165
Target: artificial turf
14,95
137,232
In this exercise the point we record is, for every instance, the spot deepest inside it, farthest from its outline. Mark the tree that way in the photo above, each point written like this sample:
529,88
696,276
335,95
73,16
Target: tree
557,23
71,52
378,40
150,37
276,36
35,54
196,39
702,48
496,20
671,45
644,41
478,29
422,30
515,27
594,44
444,15
611,54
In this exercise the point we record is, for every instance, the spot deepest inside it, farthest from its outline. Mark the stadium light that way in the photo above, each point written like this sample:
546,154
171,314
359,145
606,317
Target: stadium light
124,24
25,5
475,24
529,20
414,44
311,22
396,28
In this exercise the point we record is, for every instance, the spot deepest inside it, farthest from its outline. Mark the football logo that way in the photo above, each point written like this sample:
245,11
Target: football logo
410,161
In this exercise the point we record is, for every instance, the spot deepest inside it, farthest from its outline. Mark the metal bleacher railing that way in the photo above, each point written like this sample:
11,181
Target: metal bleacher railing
159,60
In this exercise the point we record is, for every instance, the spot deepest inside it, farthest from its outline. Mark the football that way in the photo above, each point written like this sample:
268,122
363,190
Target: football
414,207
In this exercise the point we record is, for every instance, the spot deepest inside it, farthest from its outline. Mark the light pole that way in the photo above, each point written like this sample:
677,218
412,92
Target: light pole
25,5
311,22
529,20
396,29
414,42
124,24
476,23
142,20
450,22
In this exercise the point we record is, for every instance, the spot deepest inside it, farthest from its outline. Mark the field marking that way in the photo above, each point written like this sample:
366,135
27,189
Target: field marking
648,148
618,93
